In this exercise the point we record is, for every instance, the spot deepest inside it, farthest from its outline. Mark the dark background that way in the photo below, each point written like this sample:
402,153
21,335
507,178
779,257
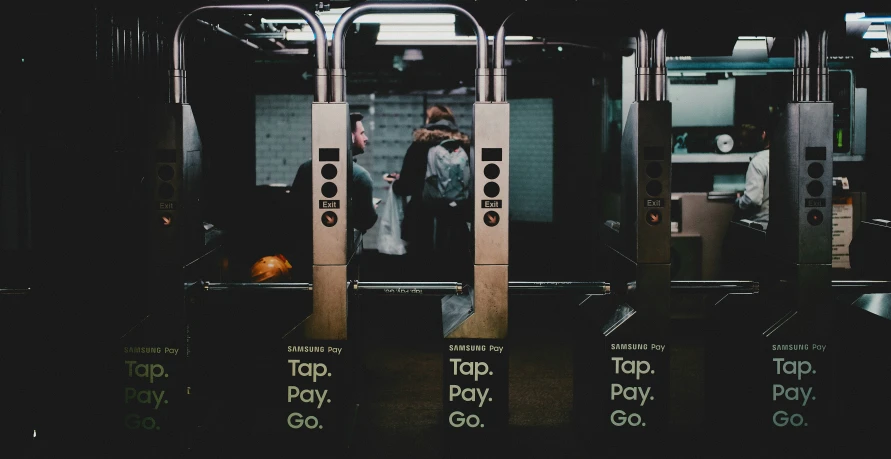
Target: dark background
81,78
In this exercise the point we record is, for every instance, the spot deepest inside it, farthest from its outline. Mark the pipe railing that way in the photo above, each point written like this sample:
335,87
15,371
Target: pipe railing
338,73
514,287
178,73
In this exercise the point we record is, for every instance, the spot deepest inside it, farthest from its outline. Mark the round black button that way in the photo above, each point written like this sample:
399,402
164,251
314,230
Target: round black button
491,189
329,219
491,218
654,170
815,217
654,217
329,189
815,170
815,188
165,191
165,172
491,171
329,171
654,188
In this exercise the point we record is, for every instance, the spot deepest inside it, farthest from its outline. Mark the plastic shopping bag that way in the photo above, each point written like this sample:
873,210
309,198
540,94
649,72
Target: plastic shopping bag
389,236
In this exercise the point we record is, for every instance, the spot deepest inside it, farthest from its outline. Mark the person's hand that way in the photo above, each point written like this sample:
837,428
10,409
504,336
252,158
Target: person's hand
391,177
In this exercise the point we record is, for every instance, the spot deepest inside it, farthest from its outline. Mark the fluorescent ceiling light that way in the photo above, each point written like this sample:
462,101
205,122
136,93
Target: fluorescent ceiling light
876,32
330,18
862,17
431,28
439,36
406,19
875,54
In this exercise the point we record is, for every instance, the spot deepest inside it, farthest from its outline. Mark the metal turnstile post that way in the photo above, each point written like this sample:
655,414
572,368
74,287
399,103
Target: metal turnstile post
622,358
178,370
771,366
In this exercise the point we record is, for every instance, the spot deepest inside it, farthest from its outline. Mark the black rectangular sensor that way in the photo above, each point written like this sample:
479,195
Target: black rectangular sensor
329,154
491,154
815,154
654,153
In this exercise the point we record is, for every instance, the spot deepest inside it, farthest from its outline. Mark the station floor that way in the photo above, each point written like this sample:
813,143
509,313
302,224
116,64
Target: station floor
401,414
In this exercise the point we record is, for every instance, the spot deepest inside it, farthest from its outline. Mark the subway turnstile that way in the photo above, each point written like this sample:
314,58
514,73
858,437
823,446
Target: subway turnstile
771,364
475,358
192,371
476,351
153,364
622,357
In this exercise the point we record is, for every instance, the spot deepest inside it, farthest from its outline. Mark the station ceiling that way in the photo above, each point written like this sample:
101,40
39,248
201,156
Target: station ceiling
693,28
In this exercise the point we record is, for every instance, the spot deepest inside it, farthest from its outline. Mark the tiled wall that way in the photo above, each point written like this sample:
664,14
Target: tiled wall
283,136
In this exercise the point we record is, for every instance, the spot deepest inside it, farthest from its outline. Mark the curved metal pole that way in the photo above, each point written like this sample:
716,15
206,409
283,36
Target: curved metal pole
499,74
642,80
178,73
796,68
888,34
338,76
802,84
823,67
660,76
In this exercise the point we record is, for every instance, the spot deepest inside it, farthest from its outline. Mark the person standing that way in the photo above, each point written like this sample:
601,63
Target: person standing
437,233
754,202
364,214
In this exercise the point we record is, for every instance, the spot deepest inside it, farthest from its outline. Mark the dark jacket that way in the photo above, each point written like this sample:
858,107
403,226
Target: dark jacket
417,223
363,216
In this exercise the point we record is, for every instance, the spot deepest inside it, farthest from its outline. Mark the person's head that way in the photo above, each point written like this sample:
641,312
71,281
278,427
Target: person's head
753,138
438,112
360,139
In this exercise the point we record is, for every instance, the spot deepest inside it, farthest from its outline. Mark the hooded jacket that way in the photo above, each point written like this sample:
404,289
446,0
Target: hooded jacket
414,164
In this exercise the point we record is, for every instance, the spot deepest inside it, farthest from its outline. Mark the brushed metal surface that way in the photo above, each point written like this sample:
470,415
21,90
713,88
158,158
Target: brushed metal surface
489,318
491,129
331,129
329,298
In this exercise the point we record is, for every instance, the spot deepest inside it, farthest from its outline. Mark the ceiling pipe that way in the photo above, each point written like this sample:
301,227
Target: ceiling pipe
178,73
225,32
338,75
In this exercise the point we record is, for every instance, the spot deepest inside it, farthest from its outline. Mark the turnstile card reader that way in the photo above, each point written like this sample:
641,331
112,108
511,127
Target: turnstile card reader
174,172
154,348
777,355
476,358
491,194
633,392
333,242
800,343
621,386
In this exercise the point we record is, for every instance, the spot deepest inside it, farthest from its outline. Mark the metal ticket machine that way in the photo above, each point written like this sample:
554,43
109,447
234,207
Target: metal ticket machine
622,360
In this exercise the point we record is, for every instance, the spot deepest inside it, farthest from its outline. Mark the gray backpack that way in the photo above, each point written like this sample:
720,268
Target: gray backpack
448,172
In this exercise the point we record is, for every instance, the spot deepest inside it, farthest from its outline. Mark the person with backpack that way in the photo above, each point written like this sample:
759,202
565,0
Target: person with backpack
436,179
